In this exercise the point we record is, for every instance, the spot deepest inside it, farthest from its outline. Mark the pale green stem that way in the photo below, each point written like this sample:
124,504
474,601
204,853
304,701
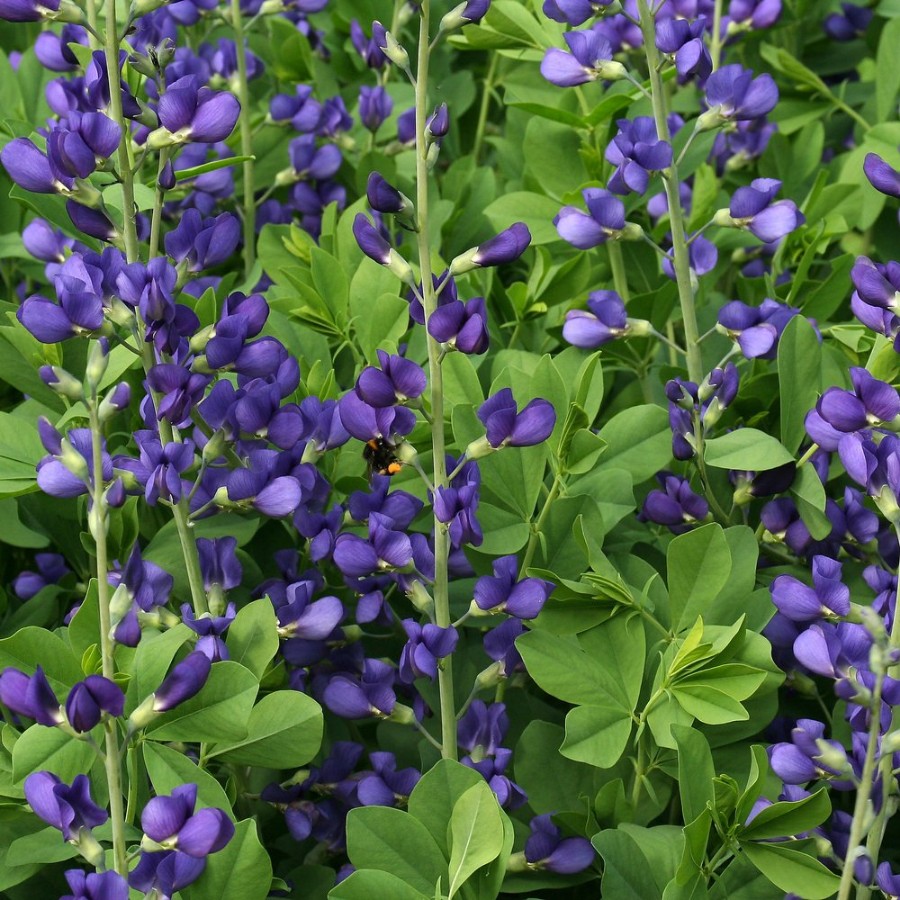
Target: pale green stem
860,808
436,383
90,11
885,767
126,176
538,525
111,759
715,49
485,106
617,264
156,220
680,250
246,129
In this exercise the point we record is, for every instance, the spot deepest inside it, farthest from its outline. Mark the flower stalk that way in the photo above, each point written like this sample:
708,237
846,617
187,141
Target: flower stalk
438,444
680,249
246,128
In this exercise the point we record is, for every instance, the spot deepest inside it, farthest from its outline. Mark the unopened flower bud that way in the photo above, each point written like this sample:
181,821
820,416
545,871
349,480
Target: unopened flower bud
402,715
63,382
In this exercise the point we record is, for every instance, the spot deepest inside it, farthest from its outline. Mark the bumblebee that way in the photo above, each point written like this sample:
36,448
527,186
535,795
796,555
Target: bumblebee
380,458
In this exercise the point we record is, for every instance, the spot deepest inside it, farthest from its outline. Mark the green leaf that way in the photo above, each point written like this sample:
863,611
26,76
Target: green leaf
799,378
434,797
40,747
383,323
809,494
638,440
31,647
253,636
371,884
695,772
627,873
194,171
168,768
596,735
44,846
698,564
219,712
284,732
792,870
747,448
151,662
708,704
537,211
380,837
476,834
784,818
240,871
887,75
561,667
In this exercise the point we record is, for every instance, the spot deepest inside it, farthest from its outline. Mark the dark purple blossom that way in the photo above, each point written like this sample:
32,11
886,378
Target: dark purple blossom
398,380
461,325
210,629
505,247
189,111
425,646
850,23
604,220
752,207
203,243
546,848
504,592
734,95
183,682
683,40
89,699
167,871
829,596
172,823
756,328
375,105
30,695
385,786
677,505
51,568
66,807
603,321
505,426
590,57
107,885
372,694
386,549
636,151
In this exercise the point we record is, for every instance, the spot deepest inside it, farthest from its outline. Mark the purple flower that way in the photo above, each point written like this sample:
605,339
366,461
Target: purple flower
756,329
438,124
188,111
51,569
500,646
28,10
172,823
203,243
30,695
398,380
168,871
604,220
385,786
590,57
504,592
573,12
218,563
848,24
505,247
603,321
753,14
465,13
483,727
375,105
734,95
372,694
798,762
108,885
89,699
425,645
365,422
383,197
752,208
882,177
457,505
504,426
159,469
386,549
493,769
682,39
301,617
872,402
369,48
677,505
183,682
829,596
378,249
211,630
68,808
31,169
70,471
547,849
461,325
636,151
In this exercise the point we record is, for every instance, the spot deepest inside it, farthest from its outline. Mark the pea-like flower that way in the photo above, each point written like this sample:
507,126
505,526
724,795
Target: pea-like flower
829,596
189,111
505,426
603,321
90,699
505,247
107,885
504,592
170,822
425,646
398,380
676,506
636,151
882,176
604,221
66,807
30,695
546,848
590,57
734,95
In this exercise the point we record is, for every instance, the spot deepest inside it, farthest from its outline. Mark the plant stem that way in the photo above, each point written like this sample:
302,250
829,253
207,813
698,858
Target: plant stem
436,383
537,527
715,49
680,250
860,808
111,759
156,218
617,264
126,176
485,106
246,128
